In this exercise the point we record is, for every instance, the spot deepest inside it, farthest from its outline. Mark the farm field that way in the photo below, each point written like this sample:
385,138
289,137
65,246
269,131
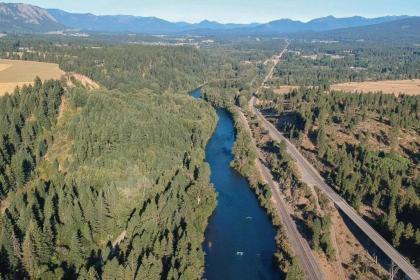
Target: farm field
18,73
409,87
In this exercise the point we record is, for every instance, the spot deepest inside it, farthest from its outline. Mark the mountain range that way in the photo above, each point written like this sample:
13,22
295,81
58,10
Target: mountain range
24,18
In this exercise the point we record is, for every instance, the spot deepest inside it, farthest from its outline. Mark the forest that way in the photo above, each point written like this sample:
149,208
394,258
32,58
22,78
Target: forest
158,68
88,192
321,64
109,195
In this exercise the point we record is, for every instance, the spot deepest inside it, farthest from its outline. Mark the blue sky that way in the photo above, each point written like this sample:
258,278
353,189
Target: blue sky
239,11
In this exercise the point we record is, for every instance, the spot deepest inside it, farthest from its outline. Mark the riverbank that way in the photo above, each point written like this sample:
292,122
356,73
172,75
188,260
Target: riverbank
244,162
245,152
240,238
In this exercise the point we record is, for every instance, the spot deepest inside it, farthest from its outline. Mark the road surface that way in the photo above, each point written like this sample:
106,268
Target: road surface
311,177
301,247
276,60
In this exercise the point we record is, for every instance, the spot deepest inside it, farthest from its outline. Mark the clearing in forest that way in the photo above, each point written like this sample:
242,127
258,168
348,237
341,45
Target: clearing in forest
410,87
18,73
284,89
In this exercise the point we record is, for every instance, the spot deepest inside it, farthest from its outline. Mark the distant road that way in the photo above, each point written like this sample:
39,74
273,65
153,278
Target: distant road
276,60
311,177
300,246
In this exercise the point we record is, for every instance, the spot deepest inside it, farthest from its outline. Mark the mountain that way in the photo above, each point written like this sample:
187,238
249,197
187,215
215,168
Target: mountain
331,22
407,29
26,18
152,25
136,24
118,23
285,26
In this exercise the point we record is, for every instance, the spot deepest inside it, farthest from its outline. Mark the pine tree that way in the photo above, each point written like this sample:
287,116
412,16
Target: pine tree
76,254
392,218
409,231
316,233
322,142
112,270
399,230
295,272
29,254
417,237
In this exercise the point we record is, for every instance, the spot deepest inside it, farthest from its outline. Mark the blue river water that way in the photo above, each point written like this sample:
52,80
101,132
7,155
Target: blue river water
240,237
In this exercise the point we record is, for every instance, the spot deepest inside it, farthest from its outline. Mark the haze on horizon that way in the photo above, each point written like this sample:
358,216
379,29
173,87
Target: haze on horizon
234,11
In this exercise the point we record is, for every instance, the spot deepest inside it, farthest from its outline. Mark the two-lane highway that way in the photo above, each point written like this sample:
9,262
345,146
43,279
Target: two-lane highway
311,176
300,246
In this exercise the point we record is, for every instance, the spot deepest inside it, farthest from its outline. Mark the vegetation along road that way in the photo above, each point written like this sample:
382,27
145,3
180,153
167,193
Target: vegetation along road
311,177
300,245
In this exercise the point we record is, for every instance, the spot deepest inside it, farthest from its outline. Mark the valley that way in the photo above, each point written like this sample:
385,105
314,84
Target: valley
140,148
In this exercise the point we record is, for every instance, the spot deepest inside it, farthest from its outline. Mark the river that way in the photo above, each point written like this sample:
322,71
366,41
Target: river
240,237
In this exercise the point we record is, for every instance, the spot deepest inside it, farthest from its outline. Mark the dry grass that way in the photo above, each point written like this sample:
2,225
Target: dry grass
284,89
82,79
349,248
378,136
410,87
4,66
18,73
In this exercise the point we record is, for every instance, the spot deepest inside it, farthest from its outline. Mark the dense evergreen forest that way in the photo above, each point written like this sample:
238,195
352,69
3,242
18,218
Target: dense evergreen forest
92,193
323,63
110,195
158,68
366,145
128,68
88,191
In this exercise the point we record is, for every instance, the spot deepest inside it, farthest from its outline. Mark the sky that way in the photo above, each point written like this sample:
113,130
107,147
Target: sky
237,11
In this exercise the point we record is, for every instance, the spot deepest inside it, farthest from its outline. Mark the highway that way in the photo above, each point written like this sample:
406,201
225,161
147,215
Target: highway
276,60
300,246
311,177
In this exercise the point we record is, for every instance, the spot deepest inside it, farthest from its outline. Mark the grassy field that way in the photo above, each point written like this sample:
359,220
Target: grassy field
410,87
284,89
18,73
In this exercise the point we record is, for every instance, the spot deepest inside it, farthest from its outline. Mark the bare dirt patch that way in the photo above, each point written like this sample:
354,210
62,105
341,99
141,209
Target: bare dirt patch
74,78
18,73
357,263
410,87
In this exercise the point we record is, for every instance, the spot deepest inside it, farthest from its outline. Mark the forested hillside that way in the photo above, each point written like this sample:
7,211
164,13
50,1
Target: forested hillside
90,192
127,68
158,68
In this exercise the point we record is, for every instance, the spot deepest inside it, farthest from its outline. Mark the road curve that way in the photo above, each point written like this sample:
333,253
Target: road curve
301,247
311,176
